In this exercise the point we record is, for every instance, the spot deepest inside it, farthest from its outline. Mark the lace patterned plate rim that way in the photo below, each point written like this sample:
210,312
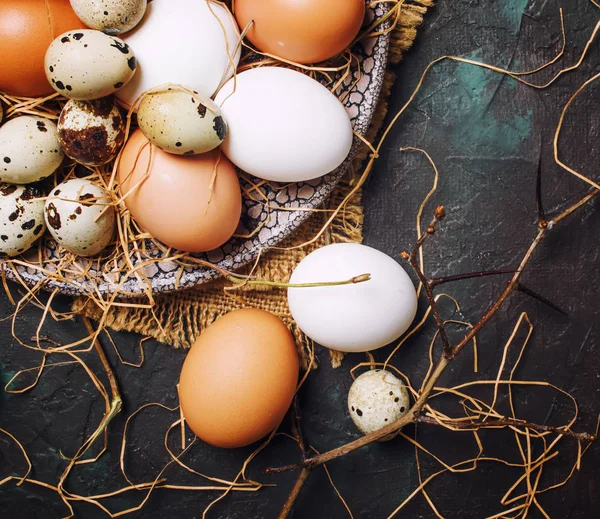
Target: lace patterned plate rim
360,91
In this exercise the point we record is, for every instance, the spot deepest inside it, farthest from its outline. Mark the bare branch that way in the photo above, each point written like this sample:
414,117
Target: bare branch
434,282
505,422
542,222
289,504
428,385
535,295
412,258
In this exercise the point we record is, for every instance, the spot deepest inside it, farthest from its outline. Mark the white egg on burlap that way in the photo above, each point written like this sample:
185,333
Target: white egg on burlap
354,317
377,398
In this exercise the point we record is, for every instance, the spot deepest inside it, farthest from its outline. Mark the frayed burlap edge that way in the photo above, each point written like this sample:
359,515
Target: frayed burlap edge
177,319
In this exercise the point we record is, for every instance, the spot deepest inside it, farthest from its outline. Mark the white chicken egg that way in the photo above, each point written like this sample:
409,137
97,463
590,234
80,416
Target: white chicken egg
21,218
91,132
377,398
185,42
88,64
356,317
283,125
79,218
29,149
179,122
110,16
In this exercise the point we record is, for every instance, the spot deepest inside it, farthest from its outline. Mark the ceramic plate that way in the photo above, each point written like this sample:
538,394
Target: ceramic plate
360,94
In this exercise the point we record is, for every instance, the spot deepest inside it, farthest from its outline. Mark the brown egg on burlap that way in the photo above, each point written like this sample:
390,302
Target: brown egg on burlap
91,132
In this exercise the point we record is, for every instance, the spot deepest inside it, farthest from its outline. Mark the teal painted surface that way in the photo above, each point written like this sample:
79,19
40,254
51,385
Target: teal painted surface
471,97
475,122
512,11
5,377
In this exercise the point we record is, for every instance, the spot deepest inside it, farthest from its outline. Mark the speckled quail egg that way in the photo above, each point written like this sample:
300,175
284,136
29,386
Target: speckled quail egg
91,132
110,16
88,64
376,399
73,218
21,218
180,122
29,149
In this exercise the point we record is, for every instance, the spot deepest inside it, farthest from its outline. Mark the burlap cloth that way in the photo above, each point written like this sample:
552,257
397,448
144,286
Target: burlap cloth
178,318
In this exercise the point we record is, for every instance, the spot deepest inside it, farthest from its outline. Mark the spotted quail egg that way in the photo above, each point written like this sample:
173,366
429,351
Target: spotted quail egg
91,132
376,399
29,149
21,218
88,64
73,218
180,122
110,16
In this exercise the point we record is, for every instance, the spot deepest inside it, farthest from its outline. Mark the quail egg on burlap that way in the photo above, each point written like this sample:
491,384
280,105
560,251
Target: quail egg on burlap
91,132
376,399
180,122
110,16
79,217
88,64
29,149
21,218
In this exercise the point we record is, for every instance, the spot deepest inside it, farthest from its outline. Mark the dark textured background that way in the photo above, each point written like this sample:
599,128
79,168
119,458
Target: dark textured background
484,133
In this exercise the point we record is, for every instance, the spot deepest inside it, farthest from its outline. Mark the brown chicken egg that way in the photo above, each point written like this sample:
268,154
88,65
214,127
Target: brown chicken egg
189,203
26,30
304,31
239,378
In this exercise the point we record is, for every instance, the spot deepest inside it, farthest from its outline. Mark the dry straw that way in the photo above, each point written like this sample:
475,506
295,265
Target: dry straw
479,413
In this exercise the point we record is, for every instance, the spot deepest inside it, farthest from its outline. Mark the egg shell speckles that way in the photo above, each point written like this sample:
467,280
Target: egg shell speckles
91,132
88,64
21,218
73,218
110,16
376,399
29,150
178,122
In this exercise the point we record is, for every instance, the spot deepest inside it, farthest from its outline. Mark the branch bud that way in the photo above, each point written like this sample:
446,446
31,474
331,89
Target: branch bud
362,278
440,212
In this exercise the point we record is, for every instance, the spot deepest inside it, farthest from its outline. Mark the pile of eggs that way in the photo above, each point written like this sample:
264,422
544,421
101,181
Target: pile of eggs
172,63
